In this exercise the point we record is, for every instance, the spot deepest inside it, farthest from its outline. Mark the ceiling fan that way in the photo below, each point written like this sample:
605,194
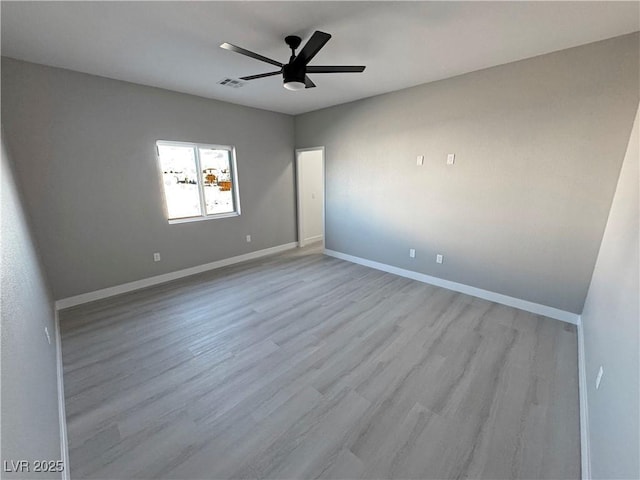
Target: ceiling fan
295,72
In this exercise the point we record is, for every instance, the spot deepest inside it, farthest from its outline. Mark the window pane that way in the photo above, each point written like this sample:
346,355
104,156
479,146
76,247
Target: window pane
178,164
217,179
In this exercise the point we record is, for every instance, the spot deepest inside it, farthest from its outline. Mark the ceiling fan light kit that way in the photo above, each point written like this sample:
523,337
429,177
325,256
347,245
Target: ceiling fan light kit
294,86
295,72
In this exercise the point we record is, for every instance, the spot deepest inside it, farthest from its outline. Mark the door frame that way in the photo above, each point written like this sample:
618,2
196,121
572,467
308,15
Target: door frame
301,242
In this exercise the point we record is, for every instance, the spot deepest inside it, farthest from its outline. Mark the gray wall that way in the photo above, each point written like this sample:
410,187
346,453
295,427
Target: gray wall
611,322
538,145
84,154
30,421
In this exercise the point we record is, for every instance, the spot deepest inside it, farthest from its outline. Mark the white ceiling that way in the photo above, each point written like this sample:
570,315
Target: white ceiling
175,45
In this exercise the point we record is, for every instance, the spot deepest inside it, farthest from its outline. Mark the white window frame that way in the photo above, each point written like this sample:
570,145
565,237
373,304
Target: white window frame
203,205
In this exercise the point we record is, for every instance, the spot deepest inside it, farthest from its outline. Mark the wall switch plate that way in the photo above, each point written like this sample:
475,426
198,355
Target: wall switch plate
248,238
439,258
420,160
599,377
451,158
412,252
156,257
46,332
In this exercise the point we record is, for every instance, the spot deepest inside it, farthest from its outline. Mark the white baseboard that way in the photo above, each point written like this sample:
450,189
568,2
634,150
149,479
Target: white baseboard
315,238
309,240
585,450
62,415
532,307
167,277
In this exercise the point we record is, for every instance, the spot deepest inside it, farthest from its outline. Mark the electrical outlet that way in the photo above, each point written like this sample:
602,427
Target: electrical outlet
156,257
248,238
46,332
451,158
439,258
599,377
420,160
412,252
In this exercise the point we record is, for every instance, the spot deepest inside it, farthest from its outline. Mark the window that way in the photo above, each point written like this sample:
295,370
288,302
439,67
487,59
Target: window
200,181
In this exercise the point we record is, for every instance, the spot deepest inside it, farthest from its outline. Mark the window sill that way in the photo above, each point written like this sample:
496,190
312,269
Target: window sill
200,219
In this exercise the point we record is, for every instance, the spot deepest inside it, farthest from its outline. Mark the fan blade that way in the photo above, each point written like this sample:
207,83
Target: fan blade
233,48
312,47
335,69
261,75
308,83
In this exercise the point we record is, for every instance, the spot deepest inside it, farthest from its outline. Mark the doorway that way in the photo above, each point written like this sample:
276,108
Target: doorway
310,182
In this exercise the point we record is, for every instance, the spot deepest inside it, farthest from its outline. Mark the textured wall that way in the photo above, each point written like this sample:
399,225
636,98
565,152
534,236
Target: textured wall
538,145
30,421
611,322
85,156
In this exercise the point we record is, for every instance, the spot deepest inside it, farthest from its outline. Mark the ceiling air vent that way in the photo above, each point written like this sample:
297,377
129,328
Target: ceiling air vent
231,82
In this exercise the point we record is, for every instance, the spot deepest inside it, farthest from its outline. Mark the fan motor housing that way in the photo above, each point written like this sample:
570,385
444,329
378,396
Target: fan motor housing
293,73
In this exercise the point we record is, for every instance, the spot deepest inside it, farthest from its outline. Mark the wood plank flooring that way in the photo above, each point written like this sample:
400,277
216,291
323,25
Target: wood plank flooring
305,366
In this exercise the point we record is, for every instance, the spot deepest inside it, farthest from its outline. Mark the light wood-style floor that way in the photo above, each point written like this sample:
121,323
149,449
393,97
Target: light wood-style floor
305,366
